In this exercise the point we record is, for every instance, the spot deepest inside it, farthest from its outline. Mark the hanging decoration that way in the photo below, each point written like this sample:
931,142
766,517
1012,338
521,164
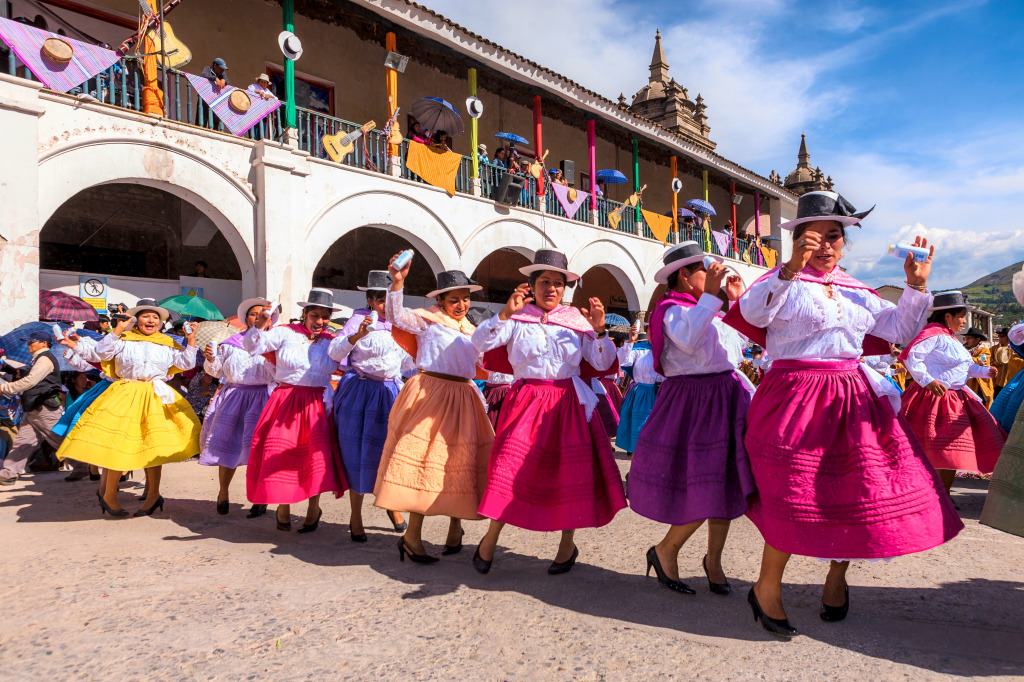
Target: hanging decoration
660,225
722,240
570,198
62,63
436,165
237,122
769,256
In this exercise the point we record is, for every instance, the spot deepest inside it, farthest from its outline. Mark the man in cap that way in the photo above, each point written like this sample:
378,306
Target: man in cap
217,74
983,387
40,399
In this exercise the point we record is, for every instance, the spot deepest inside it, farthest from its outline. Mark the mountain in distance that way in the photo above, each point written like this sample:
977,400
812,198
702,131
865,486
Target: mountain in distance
994,292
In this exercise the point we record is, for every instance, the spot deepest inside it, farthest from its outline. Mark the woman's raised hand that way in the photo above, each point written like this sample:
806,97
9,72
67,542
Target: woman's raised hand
123,325
516,302
595,315
803,249
398,276
713,278
734,287
917,273
364,329
208,352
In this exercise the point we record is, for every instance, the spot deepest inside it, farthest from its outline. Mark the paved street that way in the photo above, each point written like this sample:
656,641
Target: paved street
188,594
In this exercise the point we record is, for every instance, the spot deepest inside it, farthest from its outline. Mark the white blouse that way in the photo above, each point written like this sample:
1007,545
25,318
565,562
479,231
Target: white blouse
236,366
943,358
498,379
144,361
300,362
1016,334
376,355
804,323
82,355
544,351
697,342
439,349
643,369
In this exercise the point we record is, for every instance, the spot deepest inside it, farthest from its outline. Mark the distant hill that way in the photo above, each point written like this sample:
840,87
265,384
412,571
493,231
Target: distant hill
994,292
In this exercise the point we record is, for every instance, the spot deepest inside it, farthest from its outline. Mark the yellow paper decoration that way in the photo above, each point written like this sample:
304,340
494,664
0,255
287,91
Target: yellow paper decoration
660,225
437,166
769,256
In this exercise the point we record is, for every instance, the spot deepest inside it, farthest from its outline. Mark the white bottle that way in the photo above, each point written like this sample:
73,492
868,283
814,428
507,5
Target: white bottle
58,333
373,319
903,250
403,259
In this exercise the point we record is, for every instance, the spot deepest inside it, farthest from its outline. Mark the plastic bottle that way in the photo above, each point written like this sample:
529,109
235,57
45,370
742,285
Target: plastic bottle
902,250
403,259
213,348
373,319
58,333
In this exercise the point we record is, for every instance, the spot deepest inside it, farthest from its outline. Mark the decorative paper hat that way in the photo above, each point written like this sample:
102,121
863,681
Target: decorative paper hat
474,107
450,280
549,259
321,298
378,280
825,206
291,46
244,306
679,256
948,300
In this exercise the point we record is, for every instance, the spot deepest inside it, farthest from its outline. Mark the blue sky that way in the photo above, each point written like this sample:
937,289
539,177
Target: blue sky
917,107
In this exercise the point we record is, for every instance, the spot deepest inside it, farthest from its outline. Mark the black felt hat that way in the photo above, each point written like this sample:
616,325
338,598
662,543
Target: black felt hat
825,206
549,259
450,280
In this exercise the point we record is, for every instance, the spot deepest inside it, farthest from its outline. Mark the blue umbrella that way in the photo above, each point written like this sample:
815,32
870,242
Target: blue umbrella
683,213
512,137
701,206
90,334
610,176
615,320
436,114
16,349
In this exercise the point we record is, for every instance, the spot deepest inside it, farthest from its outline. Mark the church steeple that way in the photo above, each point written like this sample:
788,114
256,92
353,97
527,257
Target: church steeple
803,158
659,67
805,178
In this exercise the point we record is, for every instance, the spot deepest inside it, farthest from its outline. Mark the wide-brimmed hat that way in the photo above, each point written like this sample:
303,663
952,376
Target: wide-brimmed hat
948,300
291,46
149,304
450,280
478,315
474,107
321,298
262,77
679,256
825,206
974,331
243,308
549,259
377,280
1003,331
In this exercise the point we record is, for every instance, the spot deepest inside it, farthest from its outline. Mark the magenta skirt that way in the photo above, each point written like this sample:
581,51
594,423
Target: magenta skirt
838,473
294,453
550,468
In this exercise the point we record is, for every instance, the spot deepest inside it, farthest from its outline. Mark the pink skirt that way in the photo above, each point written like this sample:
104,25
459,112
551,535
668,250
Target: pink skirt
612,386
838,473
550,468
955,430
294,452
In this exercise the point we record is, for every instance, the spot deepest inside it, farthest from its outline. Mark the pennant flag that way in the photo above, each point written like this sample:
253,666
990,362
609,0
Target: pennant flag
769,256
660,225
615,217
436,165
722,240
27,43
562,193
236,123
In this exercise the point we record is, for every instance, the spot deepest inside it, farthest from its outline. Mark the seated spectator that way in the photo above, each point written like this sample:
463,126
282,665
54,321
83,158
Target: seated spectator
557,178
501,158
441,139
261,88
417,134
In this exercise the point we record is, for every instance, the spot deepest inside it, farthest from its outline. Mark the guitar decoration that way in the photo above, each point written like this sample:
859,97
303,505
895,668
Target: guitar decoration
176,53
341,145
392,131
537,167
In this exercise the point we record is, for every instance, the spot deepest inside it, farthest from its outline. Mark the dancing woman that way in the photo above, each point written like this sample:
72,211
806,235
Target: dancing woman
294,454
690,464
365,396
552,468
952,424
139,422
838,474
1004,504
247,382
435,458
640,396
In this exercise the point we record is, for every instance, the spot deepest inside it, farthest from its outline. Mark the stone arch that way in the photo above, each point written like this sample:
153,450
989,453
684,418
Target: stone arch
523,236
68,170
614,258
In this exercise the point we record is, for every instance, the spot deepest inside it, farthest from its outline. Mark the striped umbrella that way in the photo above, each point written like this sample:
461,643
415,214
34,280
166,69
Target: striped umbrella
701,206
15,343
56,305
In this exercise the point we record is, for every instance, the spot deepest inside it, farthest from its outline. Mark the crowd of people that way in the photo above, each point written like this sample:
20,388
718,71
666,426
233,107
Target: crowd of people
834,420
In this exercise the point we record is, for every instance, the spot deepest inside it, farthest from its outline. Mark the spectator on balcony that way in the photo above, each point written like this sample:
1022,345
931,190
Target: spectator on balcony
557,178
200,270
501,157
441,139
420,135
481,153
727,228
217,74
261,88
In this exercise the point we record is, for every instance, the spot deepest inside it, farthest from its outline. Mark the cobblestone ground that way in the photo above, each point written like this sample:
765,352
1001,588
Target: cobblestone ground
188,594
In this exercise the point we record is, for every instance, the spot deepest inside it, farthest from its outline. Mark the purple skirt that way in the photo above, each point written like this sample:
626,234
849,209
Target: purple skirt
362,407
230,421
690,463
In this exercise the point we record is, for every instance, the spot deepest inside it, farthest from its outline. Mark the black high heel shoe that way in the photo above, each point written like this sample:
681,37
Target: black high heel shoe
283,525
834,614
479,564
781,628
256,510
400,527
404,548
149,512
106,509
675,585
222,507
560,567
357,537
310,527
718,588
450,549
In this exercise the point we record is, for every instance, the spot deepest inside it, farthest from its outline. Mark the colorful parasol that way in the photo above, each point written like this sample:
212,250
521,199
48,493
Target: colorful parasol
56,305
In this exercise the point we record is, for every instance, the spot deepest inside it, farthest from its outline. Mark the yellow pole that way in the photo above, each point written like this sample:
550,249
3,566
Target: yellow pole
391,45
707,226
474,134
152,95
675,198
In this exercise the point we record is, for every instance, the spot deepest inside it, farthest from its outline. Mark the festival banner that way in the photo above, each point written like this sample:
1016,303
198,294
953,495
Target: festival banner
437,165
722,240
660,225
237,123
564,195
27,43
769,256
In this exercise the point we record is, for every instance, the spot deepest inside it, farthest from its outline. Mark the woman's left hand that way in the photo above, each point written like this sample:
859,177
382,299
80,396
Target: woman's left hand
734,287
595,316
191,336
917,273
992,372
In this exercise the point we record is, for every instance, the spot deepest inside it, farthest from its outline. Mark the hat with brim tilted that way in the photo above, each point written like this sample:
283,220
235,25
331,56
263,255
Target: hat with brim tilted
548,259
245,306
815,206
949,300
149,304
974,331
321,298
679,256
378,280
450,280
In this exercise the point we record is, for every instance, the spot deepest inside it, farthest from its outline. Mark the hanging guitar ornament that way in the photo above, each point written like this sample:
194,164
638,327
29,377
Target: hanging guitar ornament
341,145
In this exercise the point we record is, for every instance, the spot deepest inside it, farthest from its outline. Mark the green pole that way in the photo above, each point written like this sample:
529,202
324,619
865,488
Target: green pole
636,165
474,133
289,68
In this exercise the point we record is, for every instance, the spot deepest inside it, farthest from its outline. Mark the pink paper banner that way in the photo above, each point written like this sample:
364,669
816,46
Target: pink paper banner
236,123
562,194
722,239
27,43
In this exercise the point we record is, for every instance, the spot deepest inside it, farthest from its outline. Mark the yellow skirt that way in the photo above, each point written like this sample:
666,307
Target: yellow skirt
127,427
436,453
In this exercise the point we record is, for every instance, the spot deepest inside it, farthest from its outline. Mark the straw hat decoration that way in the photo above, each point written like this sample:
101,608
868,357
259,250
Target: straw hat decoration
57,51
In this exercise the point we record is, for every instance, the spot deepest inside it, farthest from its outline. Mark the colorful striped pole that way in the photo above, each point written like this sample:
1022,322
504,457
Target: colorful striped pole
673,163
474,132
391,45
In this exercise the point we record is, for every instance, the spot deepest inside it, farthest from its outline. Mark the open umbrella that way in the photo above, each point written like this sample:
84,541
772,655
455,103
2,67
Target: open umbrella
236,323
56,305
16,348
214,330
512,137
682,213
610,176
701,206
193,306
436,114
616,320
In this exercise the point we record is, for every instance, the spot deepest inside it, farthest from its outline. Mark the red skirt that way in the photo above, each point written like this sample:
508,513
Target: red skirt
955,430
550,468
612,386
294,452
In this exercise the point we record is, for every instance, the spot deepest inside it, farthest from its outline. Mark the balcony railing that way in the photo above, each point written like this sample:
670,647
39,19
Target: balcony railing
121,85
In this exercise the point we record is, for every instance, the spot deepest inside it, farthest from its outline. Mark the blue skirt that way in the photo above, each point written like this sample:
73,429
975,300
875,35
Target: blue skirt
73,411
1004,407
361,409
636,408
